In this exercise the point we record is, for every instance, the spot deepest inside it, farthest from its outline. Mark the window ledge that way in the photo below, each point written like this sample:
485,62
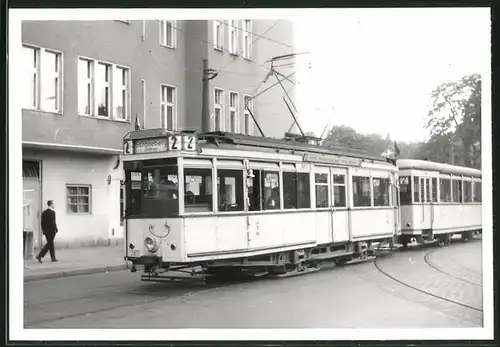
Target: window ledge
105,118
167,46
57,113
219,49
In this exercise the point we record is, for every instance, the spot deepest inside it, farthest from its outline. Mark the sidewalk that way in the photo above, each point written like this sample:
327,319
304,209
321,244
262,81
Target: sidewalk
76,261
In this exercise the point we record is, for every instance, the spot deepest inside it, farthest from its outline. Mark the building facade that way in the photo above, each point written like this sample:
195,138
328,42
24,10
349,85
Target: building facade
86,82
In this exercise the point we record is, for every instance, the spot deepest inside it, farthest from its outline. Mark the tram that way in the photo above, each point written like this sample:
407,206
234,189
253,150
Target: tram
437,201
232,203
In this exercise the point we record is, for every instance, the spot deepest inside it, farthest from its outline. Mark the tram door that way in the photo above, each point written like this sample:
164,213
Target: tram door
426,205
396,203
339,220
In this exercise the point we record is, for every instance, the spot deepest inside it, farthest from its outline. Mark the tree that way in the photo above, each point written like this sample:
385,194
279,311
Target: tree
455,115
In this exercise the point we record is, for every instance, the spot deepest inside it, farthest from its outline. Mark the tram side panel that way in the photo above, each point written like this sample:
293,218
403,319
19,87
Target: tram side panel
417,217
340,226
372,223
457,218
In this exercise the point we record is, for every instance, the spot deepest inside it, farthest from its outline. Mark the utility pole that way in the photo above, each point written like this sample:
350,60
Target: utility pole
208,74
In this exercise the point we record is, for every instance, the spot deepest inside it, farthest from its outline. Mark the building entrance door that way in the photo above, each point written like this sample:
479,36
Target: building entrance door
32,198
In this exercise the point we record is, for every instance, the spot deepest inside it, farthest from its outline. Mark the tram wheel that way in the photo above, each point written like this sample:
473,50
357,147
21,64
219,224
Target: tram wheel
441,241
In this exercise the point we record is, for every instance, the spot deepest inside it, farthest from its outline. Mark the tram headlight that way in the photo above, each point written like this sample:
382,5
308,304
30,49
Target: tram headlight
150,244
408,224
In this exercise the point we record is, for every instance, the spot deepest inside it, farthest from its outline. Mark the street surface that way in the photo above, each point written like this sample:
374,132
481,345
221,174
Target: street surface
417,288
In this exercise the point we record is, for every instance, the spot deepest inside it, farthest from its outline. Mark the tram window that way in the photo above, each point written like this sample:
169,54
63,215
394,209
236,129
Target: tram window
271,191
321,183
152,192
404,190
457,191
361,191
303,190
339,197
416,189
380,192
477,192
445,190
427,190
289,190
254,191
434,189
467,191
197,190
230,190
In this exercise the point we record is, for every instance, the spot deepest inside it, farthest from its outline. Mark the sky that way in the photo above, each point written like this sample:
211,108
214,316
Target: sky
374,69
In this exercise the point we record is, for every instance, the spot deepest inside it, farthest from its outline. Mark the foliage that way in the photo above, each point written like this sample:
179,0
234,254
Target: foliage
455,118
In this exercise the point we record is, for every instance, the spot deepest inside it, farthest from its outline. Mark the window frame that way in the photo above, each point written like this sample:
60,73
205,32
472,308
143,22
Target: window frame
247,117
233,36
322,184
334,184
234,109
121,88
38,71
247,34
373,178
218,24
164,104
76,185
93,89
370,185
219,107
164,23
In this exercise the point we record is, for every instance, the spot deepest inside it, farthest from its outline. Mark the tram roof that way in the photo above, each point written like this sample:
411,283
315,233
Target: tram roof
230,140
440,167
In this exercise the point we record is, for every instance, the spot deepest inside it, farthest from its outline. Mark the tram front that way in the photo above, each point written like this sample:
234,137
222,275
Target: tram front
153,229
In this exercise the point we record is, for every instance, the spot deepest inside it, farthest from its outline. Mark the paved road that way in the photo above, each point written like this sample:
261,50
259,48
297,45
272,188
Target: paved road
352,296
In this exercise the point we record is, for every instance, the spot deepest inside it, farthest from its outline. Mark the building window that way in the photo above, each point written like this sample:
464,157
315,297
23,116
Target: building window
43,69
247,39
477,192
103,80
167,33
168,110
445,190
85,73
218,109
233,111
103,90
380,192
78,198
322,196
218,35
121,97
233,37
230,190
361,191
404,190
339,195
248,121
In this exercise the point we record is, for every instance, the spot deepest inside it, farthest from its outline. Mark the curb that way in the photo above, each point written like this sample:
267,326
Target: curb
71,273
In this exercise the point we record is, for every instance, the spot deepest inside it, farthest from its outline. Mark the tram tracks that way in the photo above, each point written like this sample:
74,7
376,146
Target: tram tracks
429,262
429,293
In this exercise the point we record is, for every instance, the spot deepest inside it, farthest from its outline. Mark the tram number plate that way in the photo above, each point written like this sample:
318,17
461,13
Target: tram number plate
182,142
135,253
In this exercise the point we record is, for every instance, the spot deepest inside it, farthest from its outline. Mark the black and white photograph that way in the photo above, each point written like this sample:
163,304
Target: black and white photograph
269,174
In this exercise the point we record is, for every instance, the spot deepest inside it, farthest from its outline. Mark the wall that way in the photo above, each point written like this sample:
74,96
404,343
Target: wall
61,168
113,42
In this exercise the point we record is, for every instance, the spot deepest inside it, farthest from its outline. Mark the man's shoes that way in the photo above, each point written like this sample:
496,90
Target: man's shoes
54,260
39,259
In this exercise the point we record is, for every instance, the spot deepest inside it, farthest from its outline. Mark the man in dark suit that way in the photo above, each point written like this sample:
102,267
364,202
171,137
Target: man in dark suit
49,228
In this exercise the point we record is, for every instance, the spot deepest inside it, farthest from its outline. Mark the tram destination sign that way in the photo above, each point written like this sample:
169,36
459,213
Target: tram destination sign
163,144
345,161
